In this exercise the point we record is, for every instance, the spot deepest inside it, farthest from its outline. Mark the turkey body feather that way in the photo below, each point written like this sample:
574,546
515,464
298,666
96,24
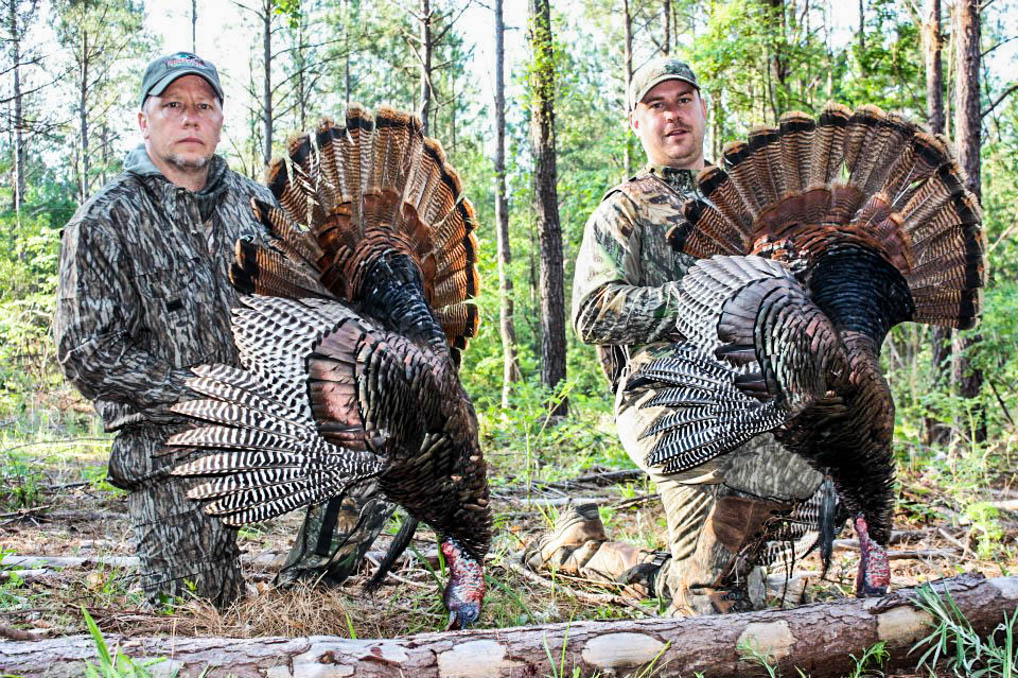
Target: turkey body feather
815,238
349,335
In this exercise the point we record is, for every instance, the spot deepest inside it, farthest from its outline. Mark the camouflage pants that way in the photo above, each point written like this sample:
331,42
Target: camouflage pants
181,549
713,509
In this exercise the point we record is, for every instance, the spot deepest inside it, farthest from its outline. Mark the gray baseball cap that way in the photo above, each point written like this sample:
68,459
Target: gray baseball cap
656,72
164,70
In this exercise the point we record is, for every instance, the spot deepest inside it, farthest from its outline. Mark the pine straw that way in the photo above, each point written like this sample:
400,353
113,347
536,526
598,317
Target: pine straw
299,610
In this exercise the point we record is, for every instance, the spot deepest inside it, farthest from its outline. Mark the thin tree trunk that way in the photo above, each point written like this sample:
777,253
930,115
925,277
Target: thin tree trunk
542,140
426,64
194,26
19,121
301,61
666,45
346,57
627,66
968,122
266,17
862,28
940,349
83,117
510,367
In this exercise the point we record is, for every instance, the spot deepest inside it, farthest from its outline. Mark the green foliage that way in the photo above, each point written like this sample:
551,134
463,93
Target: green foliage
19,483
110,665
875,653
962,649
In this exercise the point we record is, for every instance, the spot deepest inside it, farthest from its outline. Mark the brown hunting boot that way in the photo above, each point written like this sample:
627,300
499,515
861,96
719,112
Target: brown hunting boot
578,546
716,579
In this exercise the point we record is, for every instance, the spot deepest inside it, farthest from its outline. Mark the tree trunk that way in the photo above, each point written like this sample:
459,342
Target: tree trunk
936,433
968,123
426,64
194,26
510,367
817,639
542,139
83,117
266,17
777,71
666,45
862,29
19,120
627,69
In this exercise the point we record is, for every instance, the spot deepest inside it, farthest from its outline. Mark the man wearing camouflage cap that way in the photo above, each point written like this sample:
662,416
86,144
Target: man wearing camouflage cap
625,295
144,295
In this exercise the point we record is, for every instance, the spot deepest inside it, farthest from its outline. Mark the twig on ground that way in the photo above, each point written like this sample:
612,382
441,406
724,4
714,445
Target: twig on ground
59,441
853,545
16,634
25,511
965,552
634,501
584,596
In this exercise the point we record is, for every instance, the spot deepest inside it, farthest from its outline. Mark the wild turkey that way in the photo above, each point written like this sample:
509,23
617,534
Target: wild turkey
815,239
350,339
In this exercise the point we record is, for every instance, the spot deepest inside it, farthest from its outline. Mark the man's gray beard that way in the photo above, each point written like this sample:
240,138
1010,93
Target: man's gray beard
188,166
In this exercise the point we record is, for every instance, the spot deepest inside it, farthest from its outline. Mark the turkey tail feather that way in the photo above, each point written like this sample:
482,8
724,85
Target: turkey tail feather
372,189
865,178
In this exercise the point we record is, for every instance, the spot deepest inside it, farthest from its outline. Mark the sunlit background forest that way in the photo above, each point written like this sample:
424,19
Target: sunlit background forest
70,71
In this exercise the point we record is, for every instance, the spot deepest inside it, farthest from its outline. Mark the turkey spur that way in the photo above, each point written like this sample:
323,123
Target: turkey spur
814,240
349,335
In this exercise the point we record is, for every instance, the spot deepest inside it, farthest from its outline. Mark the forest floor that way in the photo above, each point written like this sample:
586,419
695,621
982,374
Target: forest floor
54,502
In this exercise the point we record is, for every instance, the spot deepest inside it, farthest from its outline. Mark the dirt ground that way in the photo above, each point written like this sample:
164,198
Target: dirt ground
87,519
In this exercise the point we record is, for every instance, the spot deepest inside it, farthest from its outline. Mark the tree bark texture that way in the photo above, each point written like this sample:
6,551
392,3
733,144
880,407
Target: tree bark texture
510,367
266,17
542,140
83,85
426,48
940,340
666,44
815,638
627,69
968,137
15,28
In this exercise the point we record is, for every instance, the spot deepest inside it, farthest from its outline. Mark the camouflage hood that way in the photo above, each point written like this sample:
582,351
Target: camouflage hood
139,163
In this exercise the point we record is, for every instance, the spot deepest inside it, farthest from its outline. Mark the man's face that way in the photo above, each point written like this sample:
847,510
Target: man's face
182,126
670,122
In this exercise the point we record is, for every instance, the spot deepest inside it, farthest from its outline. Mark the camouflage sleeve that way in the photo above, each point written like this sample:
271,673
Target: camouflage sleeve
609,304
92,326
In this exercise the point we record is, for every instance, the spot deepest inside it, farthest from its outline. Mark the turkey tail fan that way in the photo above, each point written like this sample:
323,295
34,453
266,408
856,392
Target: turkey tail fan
866,178
372,190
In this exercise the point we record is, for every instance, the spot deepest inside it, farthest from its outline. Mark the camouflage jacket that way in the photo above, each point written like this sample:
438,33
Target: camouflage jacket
626,285
144,292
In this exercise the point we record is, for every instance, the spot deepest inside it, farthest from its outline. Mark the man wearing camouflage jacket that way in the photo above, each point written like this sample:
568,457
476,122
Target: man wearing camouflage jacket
144,295
625,295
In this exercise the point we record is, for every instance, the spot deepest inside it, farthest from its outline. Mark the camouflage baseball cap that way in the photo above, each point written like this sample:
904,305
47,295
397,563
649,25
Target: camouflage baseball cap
164,70
655,72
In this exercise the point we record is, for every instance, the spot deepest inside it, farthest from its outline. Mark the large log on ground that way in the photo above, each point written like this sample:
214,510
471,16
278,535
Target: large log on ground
816,638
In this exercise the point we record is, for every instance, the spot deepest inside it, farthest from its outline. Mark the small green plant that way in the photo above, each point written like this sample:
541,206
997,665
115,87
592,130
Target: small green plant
110,666
877,653
20,482
955,641
97,477
985,518
751,654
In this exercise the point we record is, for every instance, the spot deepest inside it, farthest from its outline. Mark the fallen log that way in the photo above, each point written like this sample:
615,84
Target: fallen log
815,638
